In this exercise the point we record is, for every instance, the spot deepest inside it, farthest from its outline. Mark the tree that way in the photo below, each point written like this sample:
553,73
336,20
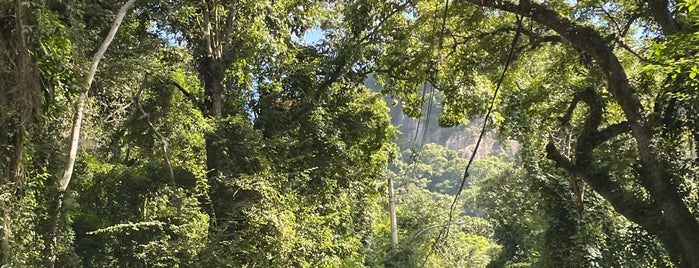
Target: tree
619,113
281,116
215,135
79,108
424,191
547,220
231,48
160,145
20,99
59,41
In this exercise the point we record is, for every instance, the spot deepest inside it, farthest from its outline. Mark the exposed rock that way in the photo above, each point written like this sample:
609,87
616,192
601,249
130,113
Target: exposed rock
461,138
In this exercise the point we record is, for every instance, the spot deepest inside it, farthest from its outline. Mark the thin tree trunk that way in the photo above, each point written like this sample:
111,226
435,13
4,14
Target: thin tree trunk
83,96
392,211
163,140
75,137
13,174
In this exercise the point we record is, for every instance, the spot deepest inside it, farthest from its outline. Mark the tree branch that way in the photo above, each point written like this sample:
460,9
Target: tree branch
206,14
628,24
611,132
565,119
591,42
162,138
610,17
342,61
587,141
660,12
643,212
195,101
535,38
654,176
629,49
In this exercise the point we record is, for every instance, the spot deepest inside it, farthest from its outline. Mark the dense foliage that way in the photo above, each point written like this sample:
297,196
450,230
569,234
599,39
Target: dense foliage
253,133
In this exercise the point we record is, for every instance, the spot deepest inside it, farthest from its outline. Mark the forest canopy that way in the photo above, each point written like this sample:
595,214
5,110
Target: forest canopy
213,133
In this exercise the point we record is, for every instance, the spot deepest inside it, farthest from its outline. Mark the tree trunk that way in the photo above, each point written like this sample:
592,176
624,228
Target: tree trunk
392,211
23,98
683,251
55,212
10,179
679,230
212,74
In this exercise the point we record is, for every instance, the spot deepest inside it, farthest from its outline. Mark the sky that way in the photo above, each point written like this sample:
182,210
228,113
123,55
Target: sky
313,36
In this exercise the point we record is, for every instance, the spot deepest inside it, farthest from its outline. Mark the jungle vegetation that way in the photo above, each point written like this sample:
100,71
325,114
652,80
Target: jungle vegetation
243,133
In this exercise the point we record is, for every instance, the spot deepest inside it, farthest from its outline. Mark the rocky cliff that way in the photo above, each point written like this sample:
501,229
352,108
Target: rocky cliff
460,138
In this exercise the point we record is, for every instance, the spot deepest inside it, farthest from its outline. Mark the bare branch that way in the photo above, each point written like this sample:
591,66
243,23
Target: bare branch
611,18
195,101
611,132
569,112
163,140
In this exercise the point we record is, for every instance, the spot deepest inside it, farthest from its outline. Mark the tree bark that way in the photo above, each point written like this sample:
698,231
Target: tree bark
678,223
23,100
662,15
10,175
212,66
644,212
51,240
392,211
212,73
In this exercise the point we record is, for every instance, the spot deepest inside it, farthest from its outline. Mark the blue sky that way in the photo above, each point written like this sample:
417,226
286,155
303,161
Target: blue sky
313,36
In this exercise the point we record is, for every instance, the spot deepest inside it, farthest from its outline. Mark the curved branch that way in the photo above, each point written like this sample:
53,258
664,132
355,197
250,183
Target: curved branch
195,101
624,31
83,96
51,239
163,140
654,176
659,10
589,41
625,202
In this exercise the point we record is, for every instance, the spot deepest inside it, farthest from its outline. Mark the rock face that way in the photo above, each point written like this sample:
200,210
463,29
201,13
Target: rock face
461,138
